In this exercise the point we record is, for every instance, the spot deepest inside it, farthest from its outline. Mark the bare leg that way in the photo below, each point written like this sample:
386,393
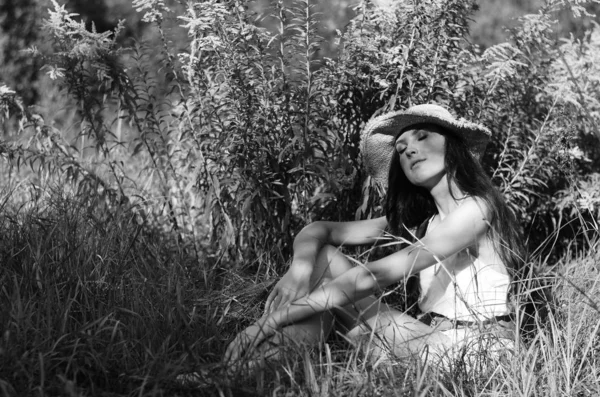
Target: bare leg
373,324
390,331
330,264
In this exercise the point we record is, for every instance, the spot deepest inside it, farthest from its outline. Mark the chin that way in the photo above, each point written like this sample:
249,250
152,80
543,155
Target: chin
426,181
418,182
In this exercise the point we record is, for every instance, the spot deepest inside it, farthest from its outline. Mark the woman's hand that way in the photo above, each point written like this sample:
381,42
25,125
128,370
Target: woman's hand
293,285
247,340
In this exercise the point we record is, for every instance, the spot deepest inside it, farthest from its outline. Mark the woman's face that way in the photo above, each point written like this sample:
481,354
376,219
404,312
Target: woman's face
422,154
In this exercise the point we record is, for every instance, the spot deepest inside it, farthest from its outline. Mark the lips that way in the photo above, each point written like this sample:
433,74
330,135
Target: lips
416,162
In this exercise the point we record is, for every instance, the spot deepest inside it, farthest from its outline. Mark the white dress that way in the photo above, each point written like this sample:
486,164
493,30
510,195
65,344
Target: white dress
466,286
469,286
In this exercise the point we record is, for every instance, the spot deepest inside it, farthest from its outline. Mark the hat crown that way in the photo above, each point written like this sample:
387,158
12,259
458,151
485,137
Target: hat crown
429,109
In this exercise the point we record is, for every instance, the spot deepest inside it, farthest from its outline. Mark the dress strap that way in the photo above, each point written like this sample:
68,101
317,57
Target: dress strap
423,227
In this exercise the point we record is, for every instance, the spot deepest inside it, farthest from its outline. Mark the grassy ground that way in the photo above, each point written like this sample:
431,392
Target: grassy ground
98,303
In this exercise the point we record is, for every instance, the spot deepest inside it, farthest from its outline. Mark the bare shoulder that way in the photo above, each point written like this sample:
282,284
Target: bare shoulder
465,226
477,206
471,218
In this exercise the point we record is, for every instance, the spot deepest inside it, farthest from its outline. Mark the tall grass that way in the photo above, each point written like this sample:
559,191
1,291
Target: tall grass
133,252
92,303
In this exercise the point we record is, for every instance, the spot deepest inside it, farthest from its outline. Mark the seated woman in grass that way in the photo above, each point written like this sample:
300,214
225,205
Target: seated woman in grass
462,243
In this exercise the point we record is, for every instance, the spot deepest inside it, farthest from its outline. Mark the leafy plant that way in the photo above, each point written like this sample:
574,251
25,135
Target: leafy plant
186,175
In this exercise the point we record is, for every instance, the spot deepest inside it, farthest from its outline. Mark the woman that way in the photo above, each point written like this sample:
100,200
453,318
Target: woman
465,255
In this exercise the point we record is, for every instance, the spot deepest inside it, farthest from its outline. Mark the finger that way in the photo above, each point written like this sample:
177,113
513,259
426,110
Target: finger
228,353
288,299
284,301
233,351
276,303
269,301
273,299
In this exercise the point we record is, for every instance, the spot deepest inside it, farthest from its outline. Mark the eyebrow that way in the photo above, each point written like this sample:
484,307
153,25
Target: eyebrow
403,141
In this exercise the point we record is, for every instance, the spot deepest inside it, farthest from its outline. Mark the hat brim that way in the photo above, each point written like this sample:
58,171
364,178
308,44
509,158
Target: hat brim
378,137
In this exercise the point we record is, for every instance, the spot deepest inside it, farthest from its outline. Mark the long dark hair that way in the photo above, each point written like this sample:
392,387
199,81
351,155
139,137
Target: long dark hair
407,206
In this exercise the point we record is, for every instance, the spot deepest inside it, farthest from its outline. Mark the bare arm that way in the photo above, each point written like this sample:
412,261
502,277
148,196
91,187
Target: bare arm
462,228
314,236
295,283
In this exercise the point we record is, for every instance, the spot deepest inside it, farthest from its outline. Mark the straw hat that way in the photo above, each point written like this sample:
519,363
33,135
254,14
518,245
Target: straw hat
379,135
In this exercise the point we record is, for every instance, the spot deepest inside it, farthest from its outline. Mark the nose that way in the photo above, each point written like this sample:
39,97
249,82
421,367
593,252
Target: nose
411,150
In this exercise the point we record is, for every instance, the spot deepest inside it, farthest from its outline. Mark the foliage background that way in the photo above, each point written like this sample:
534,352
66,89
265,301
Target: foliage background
156,170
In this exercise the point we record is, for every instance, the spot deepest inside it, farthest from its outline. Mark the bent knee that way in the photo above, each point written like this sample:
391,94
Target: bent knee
357,333
333,261
328,252
365,328
308,334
